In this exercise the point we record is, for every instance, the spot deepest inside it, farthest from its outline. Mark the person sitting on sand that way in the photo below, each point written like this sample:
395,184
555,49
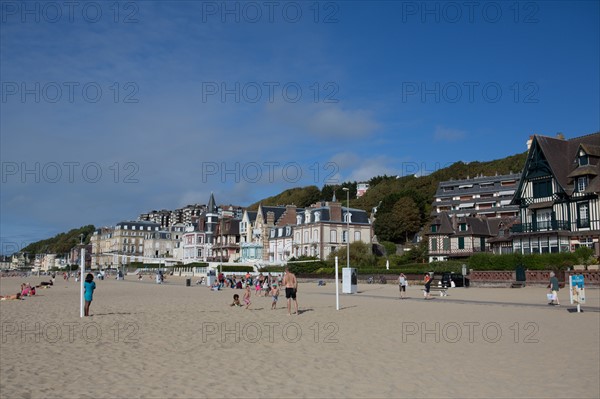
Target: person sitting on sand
25,289
236,300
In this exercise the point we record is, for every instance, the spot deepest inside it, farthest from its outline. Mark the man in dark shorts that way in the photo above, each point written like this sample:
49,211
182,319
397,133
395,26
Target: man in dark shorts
291,288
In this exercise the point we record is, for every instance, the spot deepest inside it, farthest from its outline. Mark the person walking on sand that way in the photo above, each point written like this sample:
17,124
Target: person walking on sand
291,288
402,283
247,294
89,286
275,295
554,289
427,281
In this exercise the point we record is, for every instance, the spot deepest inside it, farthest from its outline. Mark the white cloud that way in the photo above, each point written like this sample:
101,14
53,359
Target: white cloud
447,134
324,120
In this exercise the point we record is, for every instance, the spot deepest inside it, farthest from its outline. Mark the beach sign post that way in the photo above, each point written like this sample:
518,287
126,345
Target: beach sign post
577,290
337,285
81,278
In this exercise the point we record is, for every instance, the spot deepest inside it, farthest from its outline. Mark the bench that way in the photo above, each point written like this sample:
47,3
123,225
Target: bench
439,289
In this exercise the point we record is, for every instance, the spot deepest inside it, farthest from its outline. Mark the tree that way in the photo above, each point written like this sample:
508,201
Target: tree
360,255
402,221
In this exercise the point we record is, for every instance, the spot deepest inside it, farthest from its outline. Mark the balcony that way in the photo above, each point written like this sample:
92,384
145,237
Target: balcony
553,225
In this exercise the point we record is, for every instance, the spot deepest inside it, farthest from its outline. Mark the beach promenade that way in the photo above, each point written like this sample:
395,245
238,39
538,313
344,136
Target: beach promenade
145,340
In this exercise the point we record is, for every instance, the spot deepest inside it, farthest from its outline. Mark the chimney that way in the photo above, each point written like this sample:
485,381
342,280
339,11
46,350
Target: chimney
529,142
270,218
335,211
288,217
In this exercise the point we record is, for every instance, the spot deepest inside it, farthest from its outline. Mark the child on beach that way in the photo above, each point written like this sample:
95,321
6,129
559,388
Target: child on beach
89,286
236,300
247,296
275,295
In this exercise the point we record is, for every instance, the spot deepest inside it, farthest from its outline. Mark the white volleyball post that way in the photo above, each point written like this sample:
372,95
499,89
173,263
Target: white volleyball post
82,264
337,286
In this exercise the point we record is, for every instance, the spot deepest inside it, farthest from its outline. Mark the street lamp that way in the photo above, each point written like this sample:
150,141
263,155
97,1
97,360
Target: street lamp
347,190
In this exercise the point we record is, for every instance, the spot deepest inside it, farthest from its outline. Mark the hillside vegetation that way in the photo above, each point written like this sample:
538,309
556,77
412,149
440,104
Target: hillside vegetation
404,202
60,243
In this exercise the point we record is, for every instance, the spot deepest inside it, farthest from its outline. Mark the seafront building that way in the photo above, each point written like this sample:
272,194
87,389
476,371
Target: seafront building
555,198
558,196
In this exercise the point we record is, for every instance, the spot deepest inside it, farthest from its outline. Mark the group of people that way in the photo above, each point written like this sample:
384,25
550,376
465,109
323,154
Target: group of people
270,285
403,283
27,290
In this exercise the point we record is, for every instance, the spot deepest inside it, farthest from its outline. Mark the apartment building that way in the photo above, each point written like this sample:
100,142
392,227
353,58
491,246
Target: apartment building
489,196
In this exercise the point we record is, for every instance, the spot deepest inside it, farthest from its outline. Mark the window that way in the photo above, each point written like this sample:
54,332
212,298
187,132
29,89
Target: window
317,216
446,243
586,242
542,188
582,183
333,236
543,219
345,236
357,236
434,228
307,216
434,244
462,227
583,215
583,159
461,242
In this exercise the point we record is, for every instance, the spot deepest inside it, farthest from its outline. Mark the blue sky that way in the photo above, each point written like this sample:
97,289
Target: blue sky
112,109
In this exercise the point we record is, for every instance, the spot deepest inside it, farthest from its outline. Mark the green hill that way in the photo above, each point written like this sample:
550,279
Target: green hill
404,202
60,243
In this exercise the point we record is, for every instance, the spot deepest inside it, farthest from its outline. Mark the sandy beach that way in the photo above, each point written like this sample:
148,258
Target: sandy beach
145,340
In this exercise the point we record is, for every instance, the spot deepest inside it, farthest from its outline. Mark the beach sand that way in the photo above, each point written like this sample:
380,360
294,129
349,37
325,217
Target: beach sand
145,340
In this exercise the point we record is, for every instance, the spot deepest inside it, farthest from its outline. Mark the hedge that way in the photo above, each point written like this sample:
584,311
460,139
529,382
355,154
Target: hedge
557,261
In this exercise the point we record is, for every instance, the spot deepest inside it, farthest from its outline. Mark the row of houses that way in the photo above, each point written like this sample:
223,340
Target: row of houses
554,205
269,235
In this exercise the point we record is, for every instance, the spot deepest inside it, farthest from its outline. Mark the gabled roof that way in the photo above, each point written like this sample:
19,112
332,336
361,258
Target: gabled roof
443,220
277,210
477,226
562,158
251,216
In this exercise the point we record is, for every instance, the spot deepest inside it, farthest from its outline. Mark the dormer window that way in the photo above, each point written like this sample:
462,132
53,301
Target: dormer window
317,216
583,158
462,227
307,216
434,228
347,217
298,219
